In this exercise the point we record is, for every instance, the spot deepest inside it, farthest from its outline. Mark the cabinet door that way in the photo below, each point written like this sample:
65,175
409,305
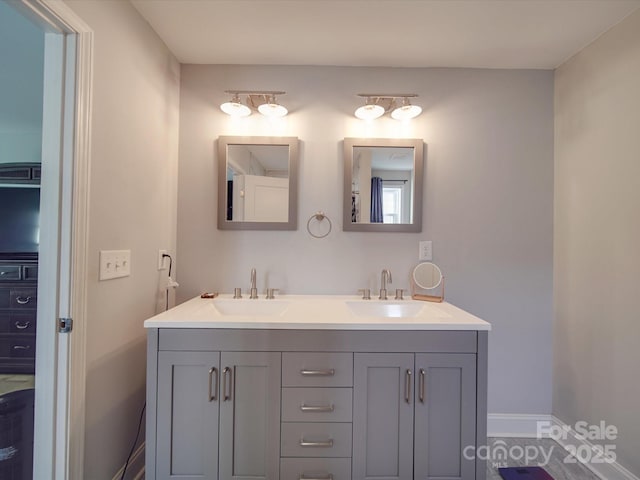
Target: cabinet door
383,416
250,416
445,416
187,423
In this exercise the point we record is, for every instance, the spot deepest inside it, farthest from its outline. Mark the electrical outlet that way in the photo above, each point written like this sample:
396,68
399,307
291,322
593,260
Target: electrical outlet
425,250
161,260
115,264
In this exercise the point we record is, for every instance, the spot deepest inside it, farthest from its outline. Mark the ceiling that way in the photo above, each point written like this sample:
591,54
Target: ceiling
538,34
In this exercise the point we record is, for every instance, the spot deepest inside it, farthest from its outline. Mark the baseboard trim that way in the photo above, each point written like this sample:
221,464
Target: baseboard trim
517,425
135,470
526,426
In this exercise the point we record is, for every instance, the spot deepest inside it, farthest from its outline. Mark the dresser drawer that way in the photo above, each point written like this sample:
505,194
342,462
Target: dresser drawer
18,323
315,468
315,440
317,369
10,273
24,298
18,346
316,404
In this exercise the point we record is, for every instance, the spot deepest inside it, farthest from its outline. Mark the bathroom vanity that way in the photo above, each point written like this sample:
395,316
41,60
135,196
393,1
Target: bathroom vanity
315,387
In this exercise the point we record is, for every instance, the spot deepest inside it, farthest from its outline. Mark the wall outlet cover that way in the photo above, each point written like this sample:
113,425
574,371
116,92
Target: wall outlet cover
425,250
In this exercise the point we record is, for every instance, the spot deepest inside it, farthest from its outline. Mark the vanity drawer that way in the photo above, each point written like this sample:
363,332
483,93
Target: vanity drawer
10,273
17,323
316,404
317,369
24,298
18,346
315,468
316,440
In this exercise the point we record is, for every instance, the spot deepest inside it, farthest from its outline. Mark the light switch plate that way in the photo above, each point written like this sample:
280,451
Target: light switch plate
115,264
425,250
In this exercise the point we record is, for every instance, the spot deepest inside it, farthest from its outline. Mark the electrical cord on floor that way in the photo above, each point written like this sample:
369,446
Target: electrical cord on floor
135,442
165,255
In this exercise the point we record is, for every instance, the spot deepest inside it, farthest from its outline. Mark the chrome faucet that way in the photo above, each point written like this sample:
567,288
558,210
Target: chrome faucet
253,293
385,277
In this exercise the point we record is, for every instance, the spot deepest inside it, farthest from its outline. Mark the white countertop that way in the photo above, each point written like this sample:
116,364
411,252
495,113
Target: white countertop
316,312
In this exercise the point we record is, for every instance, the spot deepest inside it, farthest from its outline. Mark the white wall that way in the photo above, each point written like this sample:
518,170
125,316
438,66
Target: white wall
487,207
132,206
21,77
597,234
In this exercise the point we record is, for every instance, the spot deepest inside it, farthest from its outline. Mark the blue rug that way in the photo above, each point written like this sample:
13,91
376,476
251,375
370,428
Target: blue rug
524,473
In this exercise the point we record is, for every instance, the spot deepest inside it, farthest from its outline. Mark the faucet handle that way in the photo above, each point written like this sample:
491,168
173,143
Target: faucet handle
366,293
237,293
270,293
399,293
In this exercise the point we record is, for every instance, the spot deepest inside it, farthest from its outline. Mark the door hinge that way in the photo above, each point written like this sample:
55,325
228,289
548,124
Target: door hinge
65,325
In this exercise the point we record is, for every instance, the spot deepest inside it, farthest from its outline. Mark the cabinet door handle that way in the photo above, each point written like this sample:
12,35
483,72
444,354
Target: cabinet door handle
422,384
328,443
407,386
22,347
226,373
315,477
22,326
317,408
23,300
317,373
213,389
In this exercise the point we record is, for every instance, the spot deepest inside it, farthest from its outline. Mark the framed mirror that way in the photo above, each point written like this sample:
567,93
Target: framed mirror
383,185
257,183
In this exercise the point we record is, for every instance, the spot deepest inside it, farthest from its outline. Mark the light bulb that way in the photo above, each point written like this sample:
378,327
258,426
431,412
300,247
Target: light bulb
272,109
406,111
235,108
369,112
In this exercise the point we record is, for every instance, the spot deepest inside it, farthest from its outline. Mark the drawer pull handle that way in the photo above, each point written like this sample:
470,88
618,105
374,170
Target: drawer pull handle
22,347
317,408
318,373
22,326
407,387
23,300
422,384
315,477
212,389
226,395
327,444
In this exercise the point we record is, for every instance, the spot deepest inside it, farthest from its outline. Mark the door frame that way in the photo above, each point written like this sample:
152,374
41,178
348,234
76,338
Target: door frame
61,358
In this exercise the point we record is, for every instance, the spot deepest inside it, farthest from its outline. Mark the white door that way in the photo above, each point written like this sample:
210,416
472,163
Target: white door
63,227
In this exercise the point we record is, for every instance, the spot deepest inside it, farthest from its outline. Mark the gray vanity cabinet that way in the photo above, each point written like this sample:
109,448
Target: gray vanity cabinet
188,408
413,416
218,415
276,404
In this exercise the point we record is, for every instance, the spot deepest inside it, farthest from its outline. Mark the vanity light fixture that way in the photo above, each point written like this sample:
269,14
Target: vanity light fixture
377,104
263,101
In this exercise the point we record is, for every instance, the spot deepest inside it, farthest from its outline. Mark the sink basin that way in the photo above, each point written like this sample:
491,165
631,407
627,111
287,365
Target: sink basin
371,308
252,308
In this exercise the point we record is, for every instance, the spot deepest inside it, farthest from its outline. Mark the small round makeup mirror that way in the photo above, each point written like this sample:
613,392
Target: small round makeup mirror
427,275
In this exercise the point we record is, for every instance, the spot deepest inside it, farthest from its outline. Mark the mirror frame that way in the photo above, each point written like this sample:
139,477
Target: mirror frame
418,164
293,144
